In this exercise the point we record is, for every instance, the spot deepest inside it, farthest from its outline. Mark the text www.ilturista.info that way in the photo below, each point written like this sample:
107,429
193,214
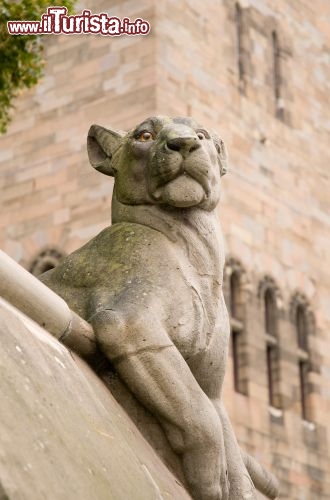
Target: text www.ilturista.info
56,21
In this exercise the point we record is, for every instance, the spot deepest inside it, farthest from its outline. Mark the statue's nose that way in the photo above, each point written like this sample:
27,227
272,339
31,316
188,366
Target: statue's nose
183,144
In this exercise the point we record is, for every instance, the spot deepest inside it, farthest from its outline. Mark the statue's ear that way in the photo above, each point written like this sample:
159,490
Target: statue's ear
101,145
222,153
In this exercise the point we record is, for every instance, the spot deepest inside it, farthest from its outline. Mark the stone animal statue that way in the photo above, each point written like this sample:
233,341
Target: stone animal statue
151,286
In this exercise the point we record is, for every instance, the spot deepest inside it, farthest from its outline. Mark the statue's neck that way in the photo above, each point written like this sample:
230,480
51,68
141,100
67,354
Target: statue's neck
194,230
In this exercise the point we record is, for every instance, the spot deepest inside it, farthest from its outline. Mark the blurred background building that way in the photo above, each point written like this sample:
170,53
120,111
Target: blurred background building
258,72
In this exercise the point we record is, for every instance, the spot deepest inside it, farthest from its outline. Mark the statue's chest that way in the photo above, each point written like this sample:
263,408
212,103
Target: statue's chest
198,315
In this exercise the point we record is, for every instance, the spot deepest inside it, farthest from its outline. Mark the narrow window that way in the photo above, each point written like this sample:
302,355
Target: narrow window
237,332
234,293
273,375
236,365
277,75
272,348
303,380
301,325
270,312
270,362
239,38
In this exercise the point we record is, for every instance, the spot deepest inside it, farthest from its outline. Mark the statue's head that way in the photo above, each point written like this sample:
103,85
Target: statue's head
163,161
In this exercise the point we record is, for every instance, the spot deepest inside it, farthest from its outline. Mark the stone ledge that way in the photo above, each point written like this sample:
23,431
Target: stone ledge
62,434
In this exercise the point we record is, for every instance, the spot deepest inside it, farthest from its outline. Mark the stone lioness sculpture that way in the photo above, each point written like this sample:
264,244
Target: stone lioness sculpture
151,286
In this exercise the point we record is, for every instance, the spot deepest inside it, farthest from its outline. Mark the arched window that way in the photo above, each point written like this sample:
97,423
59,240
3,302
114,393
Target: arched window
270,312
234,293
301,327
47,259
303,320
269,294
234,277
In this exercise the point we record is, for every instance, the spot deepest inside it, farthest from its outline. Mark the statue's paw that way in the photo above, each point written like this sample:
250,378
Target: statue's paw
242,488
248,489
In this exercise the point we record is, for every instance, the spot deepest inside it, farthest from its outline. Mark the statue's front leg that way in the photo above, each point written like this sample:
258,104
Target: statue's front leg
156,373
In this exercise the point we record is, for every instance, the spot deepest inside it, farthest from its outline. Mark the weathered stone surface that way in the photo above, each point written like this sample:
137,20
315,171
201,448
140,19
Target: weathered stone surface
62,434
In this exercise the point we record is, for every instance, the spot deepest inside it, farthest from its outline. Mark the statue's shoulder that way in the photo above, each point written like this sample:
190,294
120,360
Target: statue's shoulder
122,237
78,268
120,243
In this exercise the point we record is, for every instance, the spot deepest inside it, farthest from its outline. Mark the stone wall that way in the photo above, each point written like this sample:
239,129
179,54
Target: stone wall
213,61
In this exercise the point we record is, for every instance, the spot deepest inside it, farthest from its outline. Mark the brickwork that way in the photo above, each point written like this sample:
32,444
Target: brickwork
275,205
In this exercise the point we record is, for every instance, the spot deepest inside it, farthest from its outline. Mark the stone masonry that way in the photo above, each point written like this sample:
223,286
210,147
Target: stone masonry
258,73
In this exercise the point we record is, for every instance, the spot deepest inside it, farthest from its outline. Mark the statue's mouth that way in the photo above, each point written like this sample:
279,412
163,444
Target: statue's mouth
181,192
188,180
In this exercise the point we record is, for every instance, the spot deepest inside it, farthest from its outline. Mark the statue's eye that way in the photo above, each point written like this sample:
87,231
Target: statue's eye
201,135
145,136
